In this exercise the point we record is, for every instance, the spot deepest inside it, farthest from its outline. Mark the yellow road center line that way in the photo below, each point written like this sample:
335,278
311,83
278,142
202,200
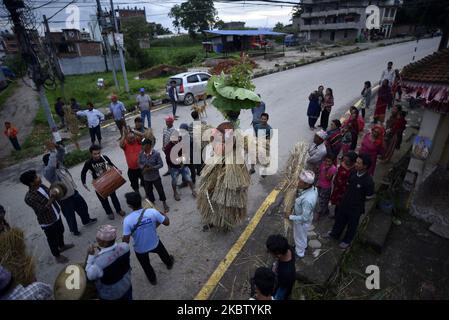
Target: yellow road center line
213,280
357,104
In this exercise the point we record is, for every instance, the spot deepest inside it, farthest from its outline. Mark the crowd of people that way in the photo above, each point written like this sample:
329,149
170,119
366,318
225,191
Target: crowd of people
334,174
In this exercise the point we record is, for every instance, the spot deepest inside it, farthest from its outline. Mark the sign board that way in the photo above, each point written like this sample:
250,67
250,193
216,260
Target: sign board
119,39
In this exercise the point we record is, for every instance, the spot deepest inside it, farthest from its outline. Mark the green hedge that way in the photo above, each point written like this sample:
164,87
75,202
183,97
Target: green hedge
75,157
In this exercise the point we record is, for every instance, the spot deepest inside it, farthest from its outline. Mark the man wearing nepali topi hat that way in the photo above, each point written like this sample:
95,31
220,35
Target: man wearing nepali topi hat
317,151
108,265
303,212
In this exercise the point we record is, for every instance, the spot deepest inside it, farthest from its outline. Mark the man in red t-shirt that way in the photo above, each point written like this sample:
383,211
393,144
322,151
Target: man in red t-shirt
132,147
11,133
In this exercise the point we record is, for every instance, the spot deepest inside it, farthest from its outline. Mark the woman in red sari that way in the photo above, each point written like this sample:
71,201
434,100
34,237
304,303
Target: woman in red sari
341,178
384,98
395,127
373,145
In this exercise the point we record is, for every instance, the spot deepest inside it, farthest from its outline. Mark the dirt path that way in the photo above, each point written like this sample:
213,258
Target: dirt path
20,109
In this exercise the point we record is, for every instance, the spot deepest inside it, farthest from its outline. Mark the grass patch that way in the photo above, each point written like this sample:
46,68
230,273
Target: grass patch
177,56
7,92
84,88
75,157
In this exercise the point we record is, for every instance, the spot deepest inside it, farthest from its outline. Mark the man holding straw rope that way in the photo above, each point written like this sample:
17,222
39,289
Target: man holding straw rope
303,212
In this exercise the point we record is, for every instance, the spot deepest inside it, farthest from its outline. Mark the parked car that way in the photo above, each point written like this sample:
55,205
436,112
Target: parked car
189,85
8,73
291,40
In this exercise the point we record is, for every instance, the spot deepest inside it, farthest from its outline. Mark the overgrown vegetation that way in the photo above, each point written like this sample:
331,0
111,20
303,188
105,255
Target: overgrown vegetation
75,157
7,92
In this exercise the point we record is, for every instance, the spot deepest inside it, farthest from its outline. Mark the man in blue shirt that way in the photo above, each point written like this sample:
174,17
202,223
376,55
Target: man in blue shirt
141,225
257,113
118,110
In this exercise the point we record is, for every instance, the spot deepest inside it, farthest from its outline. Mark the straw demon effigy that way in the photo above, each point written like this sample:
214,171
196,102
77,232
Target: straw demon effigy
223,191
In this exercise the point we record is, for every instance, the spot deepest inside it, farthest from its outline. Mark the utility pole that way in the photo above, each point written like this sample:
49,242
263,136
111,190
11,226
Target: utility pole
101,23
53,56
445,34
15,8
120,49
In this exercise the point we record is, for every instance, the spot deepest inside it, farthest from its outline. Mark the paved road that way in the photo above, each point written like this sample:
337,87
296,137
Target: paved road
198,253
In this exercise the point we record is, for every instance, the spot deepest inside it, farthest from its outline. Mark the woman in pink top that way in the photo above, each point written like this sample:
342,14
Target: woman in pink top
373,145
327,173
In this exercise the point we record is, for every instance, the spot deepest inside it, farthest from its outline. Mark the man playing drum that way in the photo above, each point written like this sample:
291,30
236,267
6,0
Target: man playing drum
98,164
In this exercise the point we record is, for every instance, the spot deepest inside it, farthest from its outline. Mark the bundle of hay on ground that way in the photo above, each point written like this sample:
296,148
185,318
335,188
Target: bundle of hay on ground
295,164
13,256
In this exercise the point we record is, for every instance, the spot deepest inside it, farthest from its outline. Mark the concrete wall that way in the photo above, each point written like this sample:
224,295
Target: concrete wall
440,140
436,127
339,35
85,65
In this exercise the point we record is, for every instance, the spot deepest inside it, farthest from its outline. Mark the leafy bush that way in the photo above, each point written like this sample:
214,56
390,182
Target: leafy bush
75,157
180,58
16,64
177,41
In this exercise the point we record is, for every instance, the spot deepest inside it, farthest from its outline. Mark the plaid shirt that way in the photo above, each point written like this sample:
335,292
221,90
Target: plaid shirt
166,135
35,291
38,202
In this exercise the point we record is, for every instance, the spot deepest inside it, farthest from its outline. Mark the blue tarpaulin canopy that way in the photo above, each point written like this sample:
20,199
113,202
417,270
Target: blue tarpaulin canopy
249,33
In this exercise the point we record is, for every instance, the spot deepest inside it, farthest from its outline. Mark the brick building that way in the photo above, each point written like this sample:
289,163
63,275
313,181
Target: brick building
73,43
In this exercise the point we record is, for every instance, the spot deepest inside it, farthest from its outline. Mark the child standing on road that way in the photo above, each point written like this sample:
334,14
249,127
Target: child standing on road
11,133
327,173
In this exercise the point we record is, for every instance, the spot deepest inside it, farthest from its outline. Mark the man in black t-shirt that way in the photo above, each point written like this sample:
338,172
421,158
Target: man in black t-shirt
283,267
360,188
98,164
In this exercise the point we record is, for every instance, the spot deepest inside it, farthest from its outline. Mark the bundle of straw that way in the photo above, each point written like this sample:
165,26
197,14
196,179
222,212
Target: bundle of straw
14,258
295,164
223,194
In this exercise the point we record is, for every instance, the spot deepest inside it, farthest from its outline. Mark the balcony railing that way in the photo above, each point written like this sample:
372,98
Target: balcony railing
326,13
330,26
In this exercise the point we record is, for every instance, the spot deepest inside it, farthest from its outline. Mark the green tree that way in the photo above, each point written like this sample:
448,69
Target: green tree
279,27
133,30
219,24
297,11
194,15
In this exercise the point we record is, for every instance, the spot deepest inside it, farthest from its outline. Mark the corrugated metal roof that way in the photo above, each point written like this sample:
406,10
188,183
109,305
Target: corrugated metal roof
244,32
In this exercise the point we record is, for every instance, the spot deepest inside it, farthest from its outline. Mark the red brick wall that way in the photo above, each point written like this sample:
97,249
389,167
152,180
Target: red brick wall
131,13
90,48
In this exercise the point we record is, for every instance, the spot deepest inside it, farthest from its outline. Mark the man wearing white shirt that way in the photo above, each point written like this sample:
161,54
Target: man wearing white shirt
94,118
144,104
316,151
388,74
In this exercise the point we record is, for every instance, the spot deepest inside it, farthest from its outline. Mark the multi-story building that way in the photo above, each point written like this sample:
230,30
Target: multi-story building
130,15
337,20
